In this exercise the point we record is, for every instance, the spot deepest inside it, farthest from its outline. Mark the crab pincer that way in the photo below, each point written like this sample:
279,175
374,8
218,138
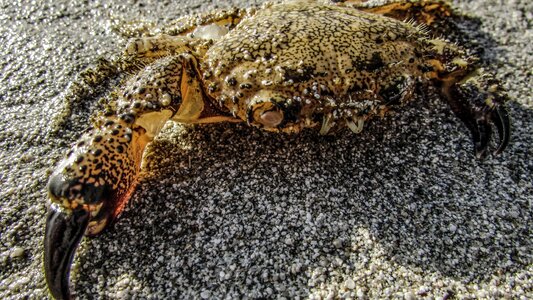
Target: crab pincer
88,191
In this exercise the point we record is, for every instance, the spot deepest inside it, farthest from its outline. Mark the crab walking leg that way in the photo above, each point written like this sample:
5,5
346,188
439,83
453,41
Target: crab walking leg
223,19
478,101
421,11
474,95
93,183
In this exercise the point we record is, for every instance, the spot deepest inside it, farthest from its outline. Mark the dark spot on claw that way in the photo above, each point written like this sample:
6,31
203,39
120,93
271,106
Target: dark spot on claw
128,118
58,186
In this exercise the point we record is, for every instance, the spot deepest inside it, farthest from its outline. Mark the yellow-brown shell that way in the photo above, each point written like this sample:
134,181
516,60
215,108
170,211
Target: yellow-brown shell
314,63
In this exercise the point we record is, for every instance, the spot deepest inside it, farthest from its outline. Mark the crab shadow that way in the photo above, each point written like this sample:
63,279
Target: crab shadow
234,211
242,212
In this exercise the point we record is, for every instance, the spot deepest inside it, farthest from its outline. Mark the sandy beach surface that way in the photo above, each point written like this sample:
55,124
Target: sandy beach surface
402,210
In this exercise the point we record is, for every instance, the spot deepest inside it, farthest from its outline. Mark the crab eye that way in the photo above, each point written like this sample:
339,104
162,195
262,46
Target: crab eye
266,113
271,118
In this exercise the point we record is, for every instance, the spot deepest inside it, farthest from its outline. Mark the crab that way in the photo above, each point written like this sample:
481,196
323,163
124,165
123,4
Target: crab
322,65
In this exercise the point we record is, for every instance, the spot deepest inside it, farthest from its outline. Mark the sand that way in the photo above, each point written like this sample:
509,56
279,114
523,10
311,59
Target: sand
402,210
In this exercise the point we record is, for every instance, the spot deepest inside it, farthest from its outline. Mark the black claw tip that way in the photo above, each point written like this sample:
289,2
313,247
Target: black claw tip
501,119
482,143
63,234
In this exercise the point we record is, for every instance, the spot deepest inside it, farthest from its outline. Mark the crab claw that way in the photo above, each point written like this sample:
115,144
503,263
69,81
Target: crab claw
88,190
482,131
68,222
479,124
64,231
500,117
480,103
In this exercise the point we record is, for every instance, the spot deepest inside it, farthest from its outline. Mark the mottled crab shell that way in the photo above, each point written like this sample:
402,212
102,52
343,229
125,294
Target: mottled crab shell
327,64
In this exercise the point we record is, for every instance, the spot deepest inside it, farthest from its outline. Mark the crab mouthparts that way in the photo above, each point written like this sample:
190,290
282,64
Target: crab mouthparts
64,231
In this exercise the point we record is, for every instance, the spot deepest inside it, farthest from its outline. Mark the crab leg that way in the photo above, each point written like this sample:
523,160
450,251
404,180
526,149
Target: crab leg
93,183
422,11
478,102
